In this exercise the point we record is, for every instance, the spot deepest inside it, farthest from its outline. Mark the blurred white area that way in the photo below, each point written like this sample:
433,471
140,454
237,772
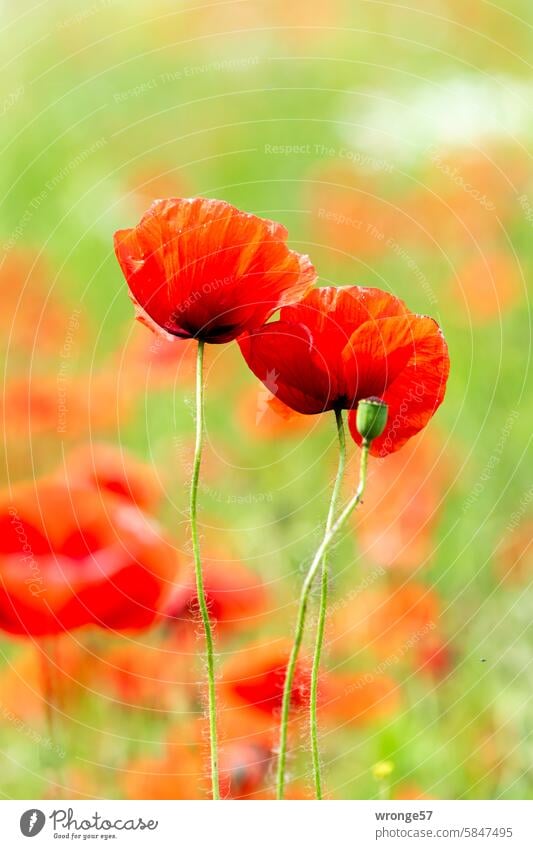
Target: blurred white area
458,111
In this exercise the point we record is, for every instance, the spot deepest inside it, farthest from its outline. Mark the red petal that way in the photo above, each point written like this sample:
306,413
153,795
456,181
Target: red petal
203,268
379,350
416,389
339,311
283,356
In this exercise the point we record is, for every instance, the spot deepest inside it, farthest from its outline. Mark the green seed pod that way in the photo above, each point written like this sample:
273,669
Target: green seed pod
371,418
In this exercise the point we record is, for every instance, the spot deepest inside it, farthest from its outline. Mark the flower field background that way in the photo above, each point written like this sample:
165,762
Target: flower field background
393,141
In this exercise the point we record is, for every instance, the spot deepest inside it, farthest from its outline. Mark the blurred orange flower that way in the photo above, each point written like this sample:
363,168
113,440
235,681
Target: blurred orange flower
392,622
514,559
487,286
110,469
34,316
349,214
63,406
403,500
182,771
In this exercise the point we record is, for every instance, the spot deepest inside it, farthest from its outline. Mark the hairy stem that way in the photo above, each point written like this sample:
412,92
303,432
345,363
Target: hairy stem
329,535
321,624
200,592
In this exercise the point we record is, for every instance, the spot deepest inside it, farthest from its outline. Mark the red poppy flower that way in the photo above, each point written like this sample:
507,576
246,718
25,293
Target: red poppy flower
236,597
253,680
338,346
70,557
202,269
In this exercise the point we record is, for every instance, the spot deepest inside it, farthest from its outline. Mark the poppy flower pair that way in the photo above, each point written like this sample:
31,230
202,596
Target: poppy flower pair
203,269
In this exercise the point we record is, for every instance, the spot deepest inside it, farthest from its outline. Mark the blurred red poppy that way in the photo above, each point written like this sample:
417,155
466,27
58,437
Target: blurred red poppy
236,596
202,269
69,558
435,658
137,674
110,469
253,682
338,346
254,676
180,773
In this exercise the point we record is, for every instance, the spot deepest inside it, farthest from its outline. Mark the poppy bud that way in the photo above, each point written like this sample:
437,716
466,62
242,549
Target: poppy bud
371,418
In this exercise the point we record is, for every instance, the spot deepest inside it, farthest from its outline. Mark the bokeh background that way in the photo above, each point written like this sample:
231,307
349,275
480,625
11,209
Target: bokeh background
393,140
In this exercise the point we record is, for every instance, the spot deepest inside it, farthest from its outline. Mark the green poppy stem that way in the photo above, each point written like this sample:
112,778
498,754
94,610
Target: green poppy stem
329,536
200,592
46,650
321,624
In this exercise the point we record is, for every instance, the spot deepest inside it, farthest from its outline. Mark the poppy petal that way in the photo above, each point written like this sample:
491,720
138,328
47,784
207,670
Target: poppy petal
416,389
202,268
283,356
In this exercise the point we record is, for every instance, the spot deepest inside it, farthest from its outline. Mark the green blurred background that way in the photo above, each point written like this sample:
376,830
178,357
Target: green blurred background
393,140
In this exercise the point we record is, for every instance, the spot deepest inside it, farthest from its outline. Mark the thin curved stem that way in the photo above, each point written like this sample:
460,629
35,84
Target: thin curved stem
302,613
321,624
46,654
200,592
